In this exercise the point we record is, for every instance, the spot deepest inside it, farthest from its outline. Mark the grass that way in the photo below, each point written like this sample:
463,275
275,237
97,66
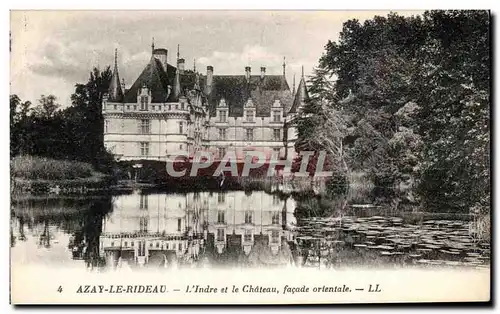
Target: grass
40,168
481,226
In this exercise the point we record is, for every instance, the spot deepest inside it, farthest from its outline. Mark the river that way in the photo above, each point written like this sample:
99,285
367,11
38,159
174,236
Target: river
235,229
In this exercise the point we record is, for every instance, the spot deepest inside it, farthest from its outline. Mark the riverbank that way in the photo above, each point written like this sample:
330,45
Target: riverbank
32,176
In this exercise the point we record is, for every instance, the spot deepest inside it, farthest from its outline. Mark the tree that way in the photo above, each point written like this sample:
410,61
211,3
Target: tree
454,118
415,96
47,107
85,116
20,122
319,124
61,134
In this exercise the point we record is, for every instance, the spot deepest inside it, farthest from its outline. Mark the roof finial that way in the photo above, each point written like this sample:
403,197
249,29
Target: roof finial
293,88
194,65
284,65
302,71
116,58
153,45
178,53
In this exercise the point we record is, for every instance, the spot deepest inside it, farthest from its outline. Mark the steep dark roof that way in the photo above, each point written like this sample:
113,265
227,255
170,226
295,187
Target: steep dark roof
115,88
236,90
154,77
300,97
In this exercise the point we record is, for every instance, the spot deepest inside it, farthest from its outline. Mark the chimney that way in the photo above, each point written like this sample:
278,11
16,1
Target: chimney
180,65
210,77
247,73
161,54
262,72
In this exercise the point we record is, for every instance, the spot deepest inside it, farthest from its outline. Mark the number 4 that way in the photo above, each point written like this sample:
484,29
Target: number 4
59,289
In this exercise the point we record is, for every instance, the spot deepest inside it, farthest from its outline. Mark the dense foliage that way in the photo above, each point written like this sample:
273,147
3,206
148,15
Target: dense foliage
412,98
47,130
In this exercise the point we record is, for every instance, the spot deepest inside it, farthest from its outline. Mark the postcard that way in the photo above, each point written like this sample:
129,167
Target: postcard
250,157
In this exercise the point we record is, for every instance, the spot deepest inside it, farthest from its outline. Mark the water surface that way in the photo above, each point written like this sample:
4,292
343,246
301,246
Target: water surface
235,229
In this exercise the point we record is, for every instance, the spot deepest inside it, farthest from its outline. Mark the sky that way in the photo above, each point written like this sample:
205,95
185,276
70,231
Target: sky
51,51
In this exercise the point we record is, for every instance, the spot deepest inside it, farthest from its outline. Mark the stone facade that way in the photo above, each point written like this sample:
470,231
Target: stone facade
194,226
170,110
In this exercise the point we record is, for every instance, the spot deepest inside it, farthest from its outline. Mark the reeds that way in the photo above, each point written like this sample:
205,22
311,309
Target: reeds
41,168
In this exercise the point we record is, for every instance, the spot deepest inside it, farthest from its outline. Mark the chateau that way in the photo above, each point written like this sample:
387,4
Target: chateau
170,110
198,228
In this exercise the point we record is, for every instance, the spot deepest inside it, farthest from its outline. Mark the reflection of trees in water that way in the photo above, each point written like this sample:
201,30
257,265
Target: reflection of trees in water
44,238
22,235
12,238
82,218
88,238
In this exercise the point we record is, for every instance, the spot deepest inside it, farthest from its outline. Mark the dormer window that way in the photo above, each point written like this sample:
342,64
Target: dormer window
222,116
144,102
276,116
250,115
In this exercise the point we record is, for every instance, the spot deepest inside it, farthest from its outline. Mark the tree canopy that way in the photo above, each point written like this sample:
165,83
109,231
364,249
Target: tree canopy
413,95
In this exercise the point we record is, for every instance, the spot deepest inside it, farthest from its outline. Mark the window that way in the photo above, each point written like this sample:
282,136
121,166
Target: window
143,201
176,107
128,107
180,146
143,224
275,236
144,126
249,116
106,126
276,116
141,248
115,107
179,224
223,115
222,134
248,236
277,134
221,197
275,219
144,149
144,103
220,216
182,106
222,152
248,217
135,107
169,107
181,127
153,107
249,135
180,246
159,108
220,234
125,243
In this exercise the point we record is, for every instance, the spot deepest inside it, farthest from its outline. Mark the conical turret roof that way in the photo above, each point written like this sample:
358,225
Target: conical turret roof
115,91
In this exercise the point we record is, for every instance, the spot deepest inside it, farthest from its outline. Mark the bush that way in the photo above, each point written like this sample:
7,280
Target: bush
40,168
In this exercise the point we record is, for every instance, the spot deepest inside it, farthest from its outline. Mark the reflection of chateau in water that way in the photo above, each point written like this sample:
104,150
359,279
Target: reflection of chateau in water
198,229
236,229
